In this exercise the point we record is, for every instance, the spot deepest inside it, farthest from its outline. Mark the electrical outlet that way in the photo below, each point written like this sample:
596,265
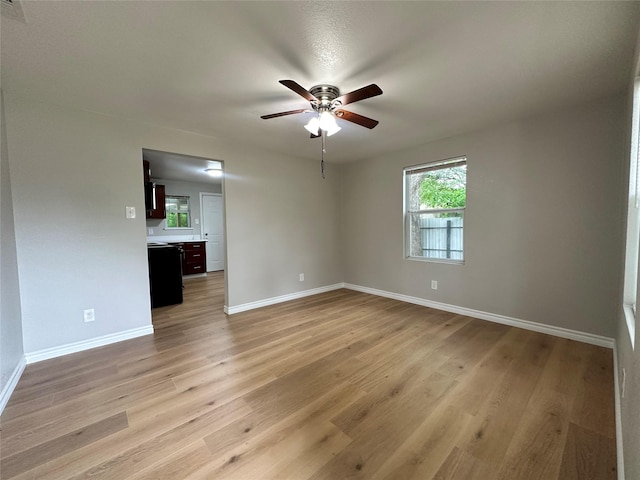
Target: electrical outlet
301,276
89,315
434,284
130,212
150,230
624,380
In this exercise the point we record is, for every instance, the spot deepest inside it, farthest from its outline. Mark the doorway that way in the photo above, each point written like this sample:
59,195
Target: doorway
199,185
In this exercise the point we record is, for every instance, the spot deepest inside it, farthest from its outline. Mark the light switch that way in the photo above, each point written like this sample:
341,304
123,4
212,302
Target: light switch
131,212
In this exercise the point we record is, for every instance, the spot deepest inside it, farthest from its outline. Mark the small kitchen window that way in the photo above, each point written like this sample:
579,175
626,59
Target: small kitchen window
178,212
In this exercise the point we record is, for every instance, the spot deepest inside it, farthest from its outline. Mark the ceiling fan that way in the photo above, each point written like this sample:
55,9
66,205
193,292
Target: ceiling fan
326,102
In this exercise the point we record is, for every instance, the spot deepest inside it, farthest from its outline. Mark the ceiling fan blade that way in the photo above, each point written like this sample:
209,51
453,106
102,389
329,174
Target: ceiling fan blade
369,91
355,118
299,89
282,114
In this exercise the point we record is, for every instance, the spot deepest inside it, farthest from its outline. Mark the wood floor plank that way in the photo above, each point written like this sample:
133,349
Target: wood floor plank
535,451
269,459
263,424
424,451
103,387
471,395
148,453
302,386
566,366
388,392
459,465
594,407
24,432
15,409
588,455
498,418
332,386
178,465
139,444
40,454
62,382
375,436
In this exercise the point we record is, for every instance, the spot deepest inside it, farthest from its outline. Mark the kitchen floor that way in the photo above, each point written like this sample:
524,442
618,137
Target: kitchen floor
200,292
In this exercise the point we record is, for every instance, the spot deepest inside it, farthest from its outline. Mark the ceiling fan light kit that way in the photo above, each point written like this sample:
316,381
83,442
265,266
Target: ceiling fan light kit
326,102
313,126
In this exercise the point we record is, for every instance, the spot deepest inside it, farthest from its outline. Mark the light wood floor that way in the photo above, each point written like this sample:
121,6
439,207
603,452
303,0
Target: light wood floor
336,386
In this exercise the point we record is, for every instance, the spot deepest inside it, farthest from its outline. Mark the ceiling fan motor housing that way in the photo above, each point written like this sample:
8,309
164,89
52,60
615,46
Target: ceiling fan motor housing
326,94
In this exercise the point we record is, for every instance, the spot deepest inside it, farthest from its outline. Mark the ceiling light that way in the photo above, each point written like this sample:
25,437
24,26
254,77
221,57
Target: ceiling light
328,123
214,172
313,126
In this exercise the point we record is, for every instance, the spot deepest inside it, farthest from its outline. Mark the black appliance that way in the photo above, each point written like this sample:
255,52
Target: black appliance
165,274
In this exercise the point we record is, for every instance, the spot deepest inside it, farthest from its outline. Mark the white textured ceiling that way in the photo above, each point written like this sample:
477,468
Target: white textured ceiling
213,67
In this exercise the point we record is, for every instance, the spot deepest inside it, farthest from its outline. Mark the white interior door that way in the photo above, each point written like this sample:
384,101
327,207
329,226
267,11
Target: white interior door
213,230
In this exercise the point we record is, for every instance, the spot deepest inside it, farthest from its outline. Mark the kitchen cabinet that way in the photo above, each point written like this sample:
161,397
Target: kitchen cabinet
156,195
153,194
146,170
195,258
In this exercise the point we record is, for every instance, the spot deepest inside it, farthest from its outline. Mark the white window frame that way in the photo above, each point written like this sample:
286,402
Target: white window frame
630,290
407,172
190,227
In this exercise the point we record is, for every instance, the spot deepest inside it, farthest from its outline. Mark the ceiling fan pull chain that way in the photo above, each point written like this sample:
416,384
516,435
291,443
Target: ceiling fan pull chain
324,134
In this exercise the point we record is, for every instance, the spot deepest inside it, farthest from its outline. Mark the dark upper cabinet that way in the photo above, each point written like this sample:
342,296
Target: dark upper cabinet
153,194
146,170
155,201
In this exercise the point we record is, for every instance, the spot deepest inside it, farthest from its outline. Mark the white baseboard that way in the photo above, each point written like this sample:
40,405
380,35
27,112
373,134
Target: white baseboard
618,406
492,317
8,389
54,352
282,298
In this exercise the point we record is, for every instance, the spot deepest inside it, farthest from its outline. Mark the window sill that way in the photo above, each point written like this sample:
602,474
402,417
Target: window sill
173,229
435,260
631,324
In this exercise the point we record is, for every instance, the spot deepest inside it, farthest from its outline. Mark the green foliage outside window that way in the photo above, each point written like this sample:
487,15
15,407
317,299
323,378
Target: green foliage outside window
177,220
177,211
444,188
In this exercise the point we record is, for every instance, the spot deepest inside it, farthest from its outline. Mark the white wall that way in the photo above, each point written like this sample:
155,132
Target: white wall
72,176
11,349
185,189
542,225
73,173
282,220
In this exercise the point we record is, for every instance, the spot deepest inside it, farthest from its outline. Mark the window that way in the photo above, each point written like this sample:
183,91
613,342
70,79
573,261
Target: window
178,215
435,200
633,221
